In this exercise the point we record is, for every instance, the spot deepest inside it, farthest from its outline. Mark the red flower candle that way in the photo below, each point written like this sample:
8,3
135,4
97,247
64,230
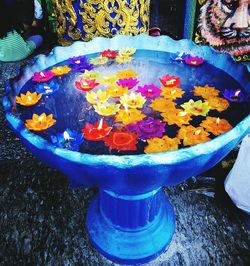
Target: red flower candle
86,84
170,81
97,131
121,140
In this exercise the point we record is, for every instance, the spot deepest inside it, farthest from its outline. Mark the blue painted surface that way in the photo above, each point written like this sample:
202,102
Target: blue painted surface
128,229
127,178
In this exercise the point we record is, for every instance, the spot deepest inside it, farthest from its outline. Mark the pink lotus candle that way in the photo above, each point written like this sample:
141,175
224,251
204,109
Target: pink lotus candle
43,76
86,84
194,60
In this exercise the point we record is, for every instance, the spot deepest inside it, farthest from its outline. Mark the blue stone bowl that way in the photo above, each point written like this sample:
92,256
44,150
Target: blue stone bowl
130,220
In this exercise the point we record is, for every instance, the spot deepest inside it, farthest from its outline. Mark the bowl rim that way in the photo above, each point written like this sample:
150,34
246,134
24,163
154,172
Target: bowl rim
143,41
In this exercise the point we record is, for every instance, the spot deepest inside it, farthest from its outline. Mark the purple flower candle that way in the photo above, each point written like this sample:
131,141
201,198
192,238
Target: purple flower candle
235,96
80,64
130,83
148,128
194,60
43,76
149,91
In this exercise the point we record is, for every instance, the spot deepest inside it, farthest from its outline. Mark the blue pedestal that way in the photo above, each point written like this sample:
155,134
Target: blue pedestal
130,229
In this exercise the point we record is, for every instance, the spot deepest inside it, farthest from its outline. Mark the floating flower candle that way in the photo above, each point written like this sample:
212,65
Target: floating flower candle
194,60
132,100
91,75
170,81
196,108
148,128
109,53
40,122
106,109
215,125
126,74
172,93
97,97
69,140
108,79
43,76
161,144
217,103
122,59
128,51
97,131
177,116
80,64
60,70
99,60
129,116
205,91
235,96
149,91
179,57
47,88
192,135
162,105
86,84
28,99
130,83
121,140
116,91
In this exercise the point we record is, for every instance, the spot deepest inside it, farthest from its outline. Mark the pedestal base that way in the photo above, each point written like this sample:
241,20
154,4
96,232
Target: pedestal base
132,244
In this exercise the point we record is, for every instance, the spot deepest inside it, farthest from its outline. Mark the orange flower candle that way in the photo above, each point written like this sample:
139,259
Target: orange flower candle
215,125
126,74
161,144
162,105
60,70
172,93
205,91
217,103
40,122
28,99
177,116
129,116
192,135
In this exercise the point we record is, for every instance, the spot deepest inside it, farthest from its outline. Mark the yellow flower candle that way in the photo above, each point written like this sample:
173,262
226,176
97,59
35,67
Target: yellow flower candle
116,91
60,70
40,122
162,105
106,109
215,125
126,74
161,144
91,75
100,60
205,91
128,51
107,80
196,108
97,97
217,103
122,59
192,135
133,100
177,116
129,116
172,93
28,99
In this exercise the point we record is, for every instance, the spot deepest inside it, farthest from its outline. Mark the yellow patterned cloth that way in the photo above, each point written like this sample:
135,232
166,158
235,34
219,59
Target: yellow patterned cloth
86,19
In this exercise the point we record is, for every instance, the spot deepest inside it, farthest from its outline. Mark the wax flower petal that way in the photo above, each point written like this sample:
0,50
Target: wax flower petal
69,140
28,99
132,100
149,91
121,140
196,108
161,144
148,128
129,116
40,122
